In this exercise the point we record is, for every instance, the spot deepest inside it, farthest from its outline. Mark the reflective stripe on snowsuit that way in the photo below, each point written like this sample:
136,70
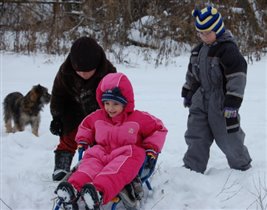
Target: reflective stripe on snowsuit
206,121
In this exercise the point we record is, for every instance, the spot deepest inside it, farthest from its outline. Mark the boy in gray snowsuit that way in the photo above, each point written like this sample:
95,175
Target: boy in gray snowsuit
213,91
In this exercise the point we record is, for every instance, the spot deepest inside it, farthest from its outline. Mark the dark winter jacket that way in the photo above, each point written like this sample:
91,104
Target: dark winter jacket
73,97
226,63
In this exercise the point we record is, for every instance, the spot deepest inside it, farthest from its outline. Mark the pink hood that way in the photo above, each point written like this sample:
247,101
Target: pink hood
119,80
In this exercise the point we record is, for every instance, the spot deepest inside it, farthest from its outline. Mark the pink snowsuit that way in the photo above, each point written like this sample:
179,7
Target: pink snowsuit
118,144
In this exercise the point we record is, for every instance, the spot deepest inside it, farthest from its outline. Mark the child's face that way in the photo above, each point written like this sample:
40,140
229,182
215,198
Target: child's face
113,108
207,37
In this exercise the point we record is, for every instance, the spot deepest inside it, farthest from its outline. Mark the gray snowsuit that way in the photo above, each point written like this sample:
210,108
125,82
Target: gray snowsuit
215,79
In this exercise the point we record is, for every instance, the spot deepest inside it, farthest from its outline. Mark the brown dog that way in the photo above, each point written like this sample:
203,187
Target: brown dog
24,110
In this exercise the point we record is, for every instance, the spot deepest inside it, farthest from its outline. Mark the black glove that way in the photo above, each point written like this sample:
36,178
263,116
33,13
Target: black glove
56,127
187,94
232,121
187,102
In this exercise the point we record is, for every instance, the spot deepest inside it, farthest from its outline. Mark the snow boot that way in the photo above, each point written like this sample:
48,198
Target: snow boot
138,188
128,198
67,194
63,161
91,197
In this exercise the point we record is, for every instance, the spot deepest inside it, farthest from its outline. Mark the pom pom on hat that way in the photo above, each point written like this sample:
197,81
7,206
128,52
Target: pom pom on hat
114,95
209,19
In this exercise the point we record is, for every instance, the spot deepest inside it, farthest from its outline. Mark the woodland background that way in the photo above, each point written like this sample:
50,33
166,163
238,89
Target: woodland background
50,26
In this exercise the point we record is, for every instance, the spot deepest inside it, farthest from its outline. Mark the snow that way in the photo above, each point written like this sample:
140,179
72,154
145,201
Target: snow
27,161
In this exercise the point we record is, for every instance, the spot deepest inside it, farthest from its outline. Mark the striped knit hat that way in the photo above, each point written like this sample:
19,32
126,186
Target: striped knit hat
114,95
209,19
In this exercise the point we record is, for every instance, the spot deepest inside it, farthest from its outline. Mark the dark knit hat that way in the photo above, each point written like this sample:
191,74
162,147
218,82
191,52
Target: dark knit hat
114,95
209,19
85,54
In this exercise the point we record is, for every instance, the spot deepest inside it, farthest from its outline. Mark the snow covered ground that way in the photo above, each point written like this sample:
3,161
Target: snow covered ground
27,161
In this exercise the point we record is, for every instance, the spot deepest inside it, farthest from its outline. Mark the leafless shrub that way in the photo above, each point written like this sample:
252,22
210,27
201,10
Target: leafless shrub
230,188
259,193
46,25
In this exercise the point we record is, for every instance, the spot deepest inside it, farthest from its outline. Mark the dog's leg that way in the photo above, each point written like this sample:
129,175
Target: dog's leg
35,122
8,124
18,127
8,119
19,122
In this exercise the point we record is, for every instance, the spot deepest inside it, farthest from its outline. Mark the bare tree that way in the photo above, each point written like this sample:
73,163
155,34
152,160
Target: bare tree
50,26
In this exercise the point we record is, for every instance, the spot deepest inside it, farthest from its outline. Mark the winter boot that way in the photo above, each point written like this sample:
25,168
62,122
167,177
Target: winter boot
91,197
63,161
67,194
128,197
138,188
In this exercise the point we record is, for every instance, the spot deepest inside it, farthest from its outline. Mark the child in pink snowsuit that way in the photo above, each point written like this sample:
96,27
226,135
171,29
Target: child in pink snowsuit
119,138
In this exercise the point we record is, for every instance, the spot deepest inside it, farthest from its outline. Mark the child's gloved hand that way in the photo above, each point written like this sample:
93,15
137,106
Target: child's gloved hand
187,102
82,146
231,117
230,112
151,157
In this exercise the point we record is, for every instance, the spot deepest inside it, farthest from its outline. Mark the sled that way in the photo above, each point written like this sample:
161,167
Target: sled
128,196
133,200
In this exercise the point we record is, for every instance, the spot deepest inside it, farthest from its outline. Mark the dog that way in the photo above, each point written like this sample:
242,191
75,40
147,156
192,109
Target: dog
25,110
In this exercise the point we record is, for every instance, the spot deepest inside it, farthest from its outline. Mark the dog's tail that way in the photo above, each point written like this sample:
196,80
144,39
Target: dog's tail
9,105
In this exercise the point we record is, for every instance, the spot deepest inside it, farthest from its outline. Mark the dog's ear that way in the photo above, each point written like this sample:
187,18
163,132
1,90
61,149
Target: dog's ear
34,94
39,89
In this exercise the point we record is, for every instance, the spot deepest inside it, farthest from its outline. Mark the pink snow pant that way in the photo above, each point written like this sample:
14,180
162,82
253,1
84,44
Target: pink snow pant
108,171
